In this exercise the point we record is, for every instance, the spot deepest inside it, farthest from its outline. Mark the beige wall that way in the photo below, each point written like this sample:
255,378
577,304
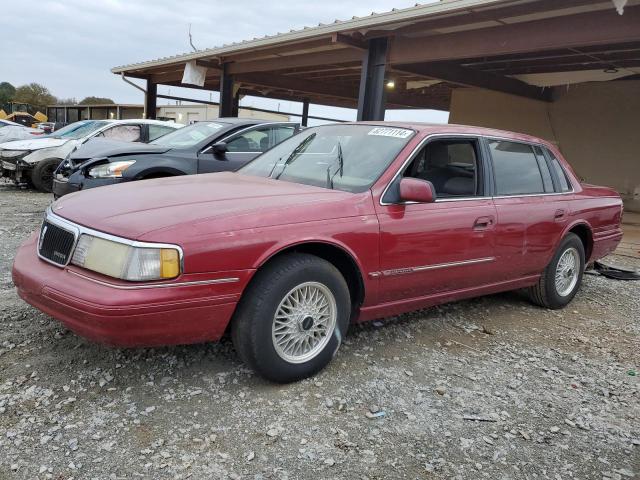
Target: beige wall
596,126
188,113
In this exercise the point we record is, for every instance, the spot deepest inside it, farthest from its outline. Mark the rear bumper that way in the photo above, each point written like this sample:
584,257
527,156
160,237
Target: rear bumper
605,243
104,313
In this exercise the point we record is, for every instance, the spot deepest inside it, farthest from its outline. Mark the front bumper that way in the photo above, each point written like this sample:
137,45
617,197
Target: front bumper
77,182
112,314
15,170
64,187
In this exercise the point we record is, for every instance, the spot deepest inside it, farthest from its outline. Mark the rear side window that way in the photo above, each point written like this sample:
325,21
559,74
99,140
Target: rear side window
124,133
544,170
562,176
515,168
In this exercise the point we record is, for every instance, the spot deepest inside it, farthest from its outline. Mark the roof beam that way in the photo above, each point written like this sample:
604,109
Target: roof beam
330,57
299,87
593,28
469,77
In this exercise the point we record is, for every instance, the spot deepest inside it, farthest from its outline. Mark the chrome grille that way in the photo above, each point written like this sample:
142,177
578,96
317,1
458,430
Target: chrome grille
56,243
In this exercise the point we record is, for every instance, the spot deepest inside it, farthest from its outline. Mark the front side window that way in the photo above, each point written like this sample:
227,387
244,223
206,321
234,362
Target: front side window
260,139
562,176
252,141
515,168
342,157
189,136
124,133
450,165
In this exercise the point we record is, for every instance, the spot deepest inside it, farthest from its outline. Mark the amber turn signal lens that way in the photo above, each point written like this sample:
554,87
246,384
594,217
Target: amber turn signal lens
169,263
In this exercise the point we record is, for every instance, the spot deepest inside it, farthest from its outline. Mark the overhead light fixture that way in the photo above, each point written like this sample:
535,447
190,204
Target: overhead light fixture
391,83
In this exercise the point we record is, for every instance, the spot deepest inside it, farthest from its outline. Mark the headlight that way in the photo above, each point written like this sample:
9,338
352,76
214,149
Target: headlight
124,261
110,170
13,153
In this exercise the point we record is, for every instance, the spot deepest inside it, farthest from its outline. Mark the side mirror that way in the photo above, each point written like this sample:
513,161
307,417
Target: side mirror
219,148
416,190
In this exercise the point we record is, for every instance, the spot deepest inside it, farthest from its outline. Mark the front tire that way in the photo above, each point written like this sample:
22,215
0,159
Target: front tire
561,280
42,174
292,318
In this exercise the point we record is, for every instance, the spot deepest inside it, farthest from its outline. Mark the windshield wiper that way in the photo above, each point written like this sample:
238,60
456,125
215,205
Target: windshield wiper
292,156
340,169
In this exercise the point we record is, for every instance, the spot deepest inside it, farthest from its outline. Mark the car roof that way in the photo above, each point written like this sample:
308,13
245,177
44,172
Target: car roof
244,121
455,129
137,120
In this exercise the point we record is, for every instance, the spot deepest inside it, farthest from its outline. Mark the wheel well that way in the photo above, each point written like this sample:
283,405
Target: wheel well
156,175
584,234
340,259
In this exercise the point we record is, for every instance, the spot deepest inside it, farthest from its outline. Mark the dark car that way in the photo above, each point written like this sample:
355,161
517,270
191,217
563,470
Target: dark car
225,144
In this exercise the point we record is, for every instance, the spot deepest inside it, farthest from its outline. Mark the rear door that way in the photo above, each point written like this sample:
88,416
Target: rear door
531,215
244,146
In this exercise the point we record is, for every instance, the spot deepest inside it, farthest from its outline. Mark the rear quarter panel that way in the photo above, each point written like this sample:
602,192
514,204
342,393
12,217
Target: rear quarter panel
600,208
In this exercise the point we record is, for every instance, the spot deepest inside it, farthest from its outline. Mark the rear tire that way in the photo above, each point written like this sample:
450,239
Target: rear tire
561,280
291,320
42,174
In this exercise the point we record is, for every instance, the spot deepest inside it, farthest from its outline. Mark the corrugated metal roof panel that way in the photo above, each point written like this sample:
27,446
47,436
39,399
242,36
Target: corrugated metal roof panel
356,23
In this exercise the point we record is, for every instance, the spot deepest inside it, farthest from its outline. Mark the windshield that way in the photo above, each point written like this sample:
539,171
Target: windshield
78,129
341,157
189,136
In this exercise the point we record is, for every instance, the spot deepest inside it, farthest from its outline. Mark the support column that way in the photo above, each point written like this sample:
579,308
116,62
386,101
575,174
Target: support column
150,99
371,97
118,114
228,100
305,112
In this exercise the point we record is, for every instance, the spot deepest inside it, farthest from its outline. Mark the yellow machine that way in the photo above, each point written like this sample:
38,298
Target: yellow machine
24,118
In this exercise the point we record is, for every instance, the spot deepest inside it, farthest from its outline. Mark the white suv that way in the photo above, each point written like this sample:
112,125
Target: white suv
34,161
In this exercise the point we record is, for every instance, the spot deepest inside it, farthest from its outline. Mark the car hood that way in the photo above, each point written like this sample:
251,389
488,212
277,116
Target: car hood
35,144
100,148
178,208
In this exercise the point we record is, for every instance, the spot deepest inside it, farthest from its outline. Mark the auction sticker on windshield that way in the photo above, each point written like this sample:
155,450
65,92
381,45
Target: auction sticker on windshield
390,132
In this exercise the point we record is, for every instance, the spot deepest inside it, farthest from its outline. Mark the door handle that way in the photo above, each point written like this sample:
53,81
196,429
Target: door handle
560,213
482,223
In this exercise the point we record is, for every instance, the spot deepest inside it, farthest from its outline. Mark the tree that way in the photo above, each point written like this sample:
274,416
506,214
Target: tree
96,101
35,94
7,91
67,101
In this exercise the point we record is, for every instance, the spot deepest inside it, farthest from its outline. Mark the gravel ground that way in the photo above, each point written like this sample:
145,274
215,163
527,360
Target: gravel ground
488,388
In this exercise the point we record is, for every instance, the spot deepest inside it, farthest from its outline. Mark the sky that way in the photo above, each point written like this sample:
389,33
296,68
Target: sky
70,46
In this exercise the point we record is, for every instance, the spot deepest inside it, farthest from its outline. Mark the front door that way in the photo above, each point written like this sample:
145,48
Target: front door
448,245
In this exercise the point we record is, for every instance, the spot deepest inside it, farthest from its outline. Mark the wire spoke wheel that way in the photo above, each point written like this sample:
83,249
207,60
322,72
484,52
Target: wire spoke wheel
567,272
304,322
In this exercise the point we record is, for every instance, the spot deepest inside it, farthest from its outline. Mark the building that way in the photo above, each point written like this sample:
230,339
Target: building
181,113
567,71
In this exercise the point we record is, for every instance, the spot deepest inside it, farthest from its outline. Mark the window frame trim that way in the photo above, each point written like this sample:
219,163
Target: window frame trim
443,136
483,139
549,155
515,195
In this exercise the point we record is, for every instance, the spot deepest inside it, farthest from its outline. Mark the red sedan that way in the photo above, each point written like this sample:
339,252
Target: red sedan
339,224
